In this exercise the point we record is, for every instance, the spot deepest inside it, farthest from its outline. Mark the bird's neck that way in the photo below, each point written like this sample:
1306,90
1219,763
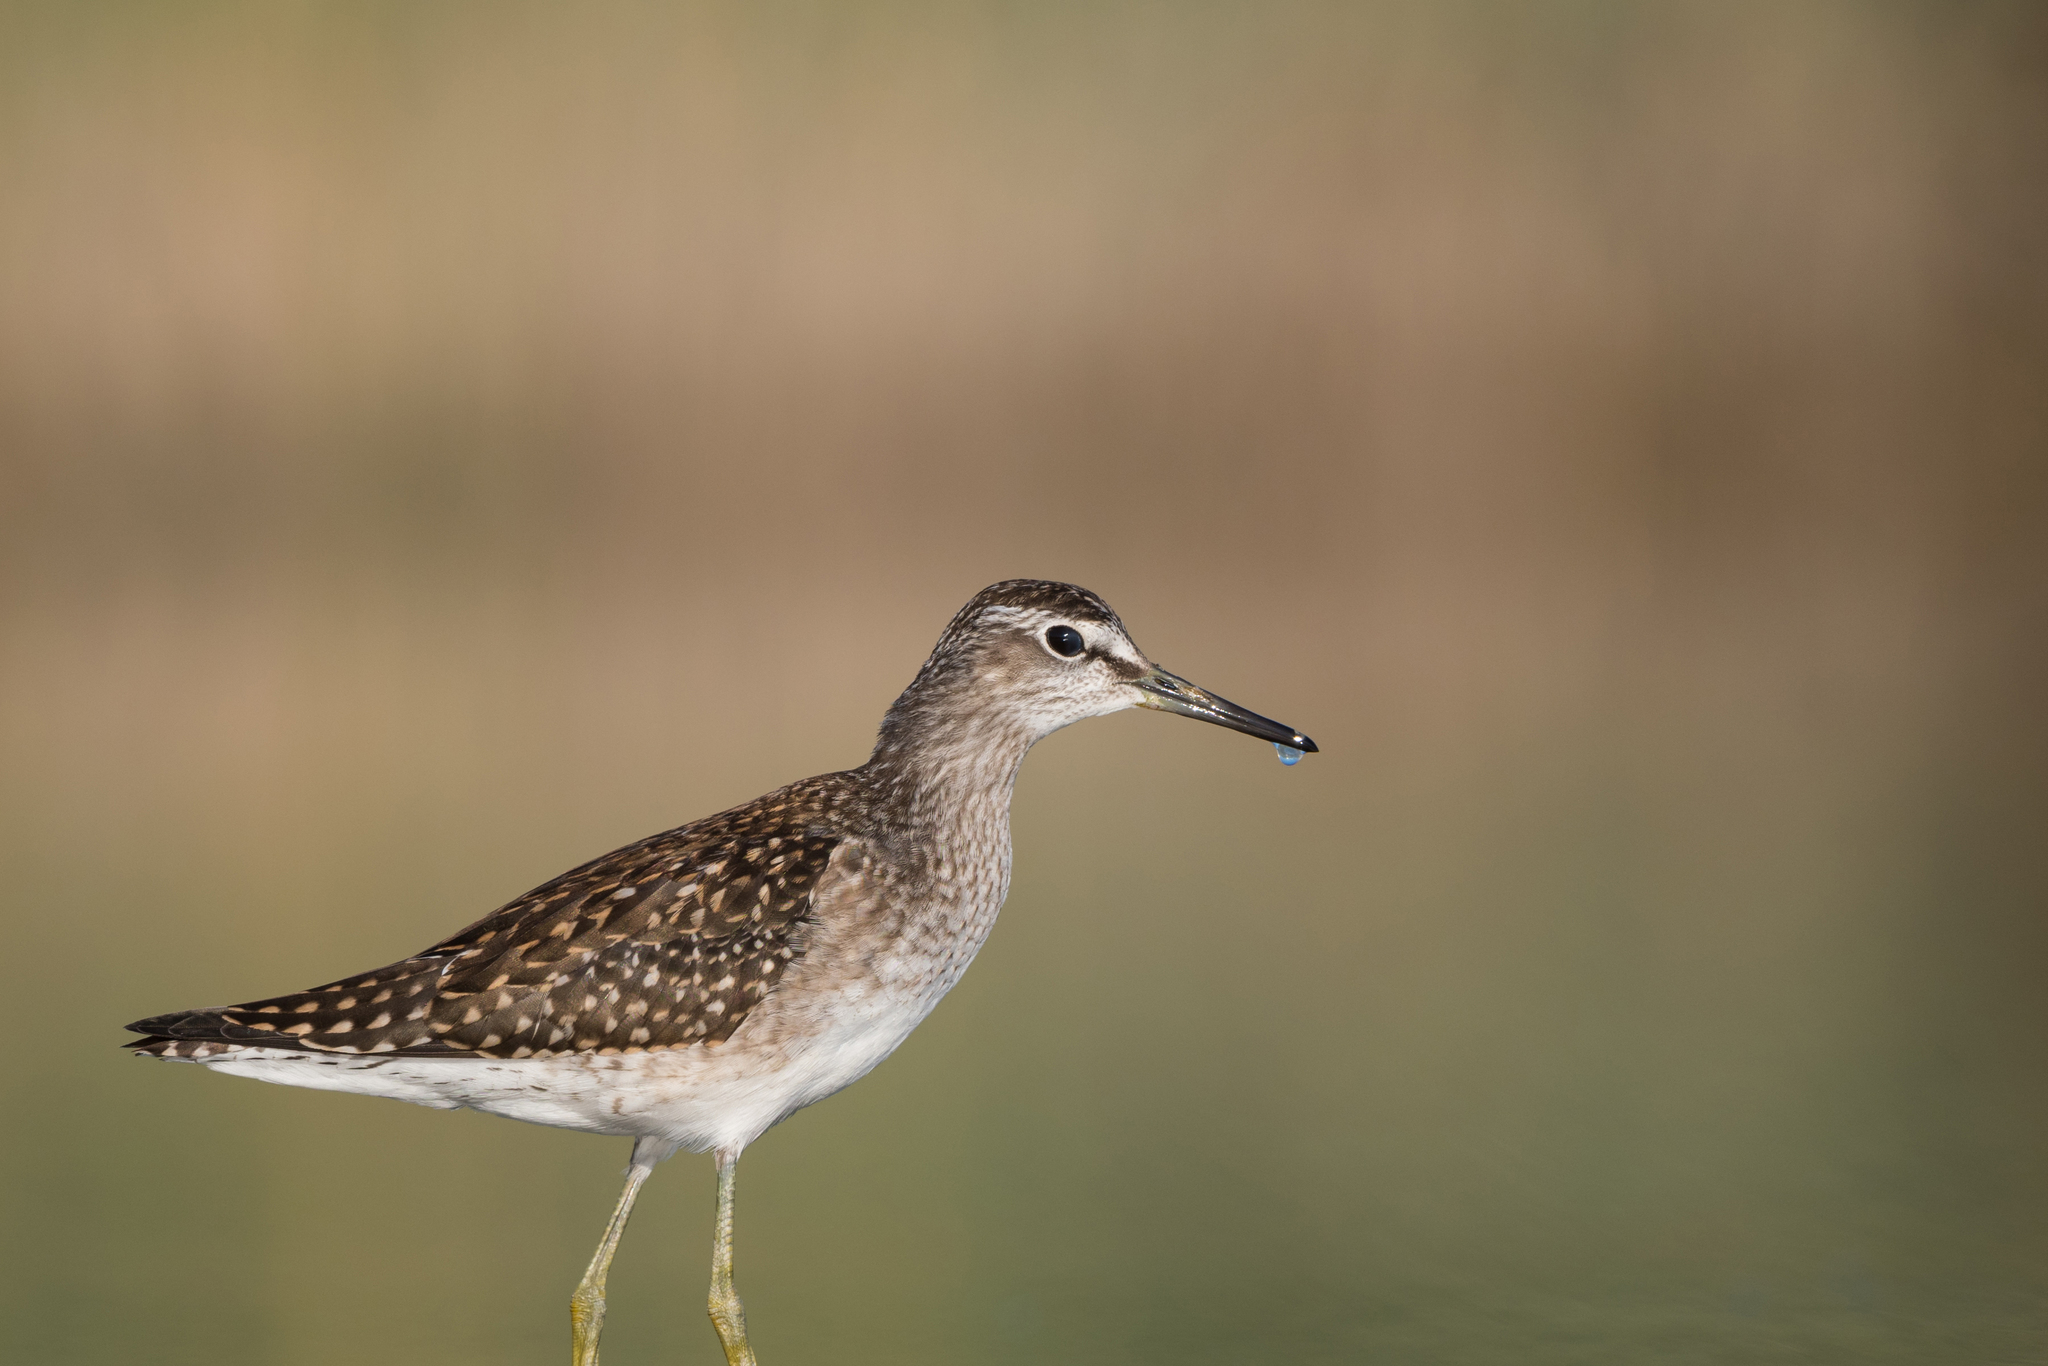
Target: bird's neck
946,769
943,776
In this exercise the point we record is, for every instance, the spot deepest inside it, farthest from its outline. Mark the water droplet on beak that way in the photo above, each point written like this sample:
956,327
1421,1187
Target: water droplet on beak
1289,755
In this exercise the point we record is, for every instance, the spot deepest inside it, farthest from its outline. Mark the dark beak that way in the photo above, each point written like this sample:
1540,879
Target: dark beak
1162,691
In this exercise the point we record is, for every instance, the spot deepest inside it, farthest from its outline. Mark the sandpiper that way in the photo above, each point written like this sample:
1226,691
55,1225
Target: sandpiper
695,988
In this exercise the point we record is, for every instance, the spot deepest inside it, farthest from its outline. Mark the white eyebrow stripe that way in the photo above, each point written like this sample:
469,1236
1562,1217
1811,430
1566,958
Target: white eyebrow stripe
1030,619
1114,643
1110,641
1100,635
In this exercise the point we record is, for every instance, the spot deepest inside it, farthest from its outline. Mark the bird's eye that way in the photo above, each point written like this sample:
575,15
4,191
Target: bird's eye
1064,640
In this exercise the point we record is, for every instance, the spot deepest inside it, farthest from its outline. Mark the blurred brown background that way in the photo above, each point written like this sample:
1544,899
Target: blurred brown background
441,442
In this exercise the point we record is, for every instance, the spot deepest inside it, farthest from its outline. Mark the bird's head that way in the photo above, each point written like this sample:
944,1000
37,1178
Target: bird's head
1028,656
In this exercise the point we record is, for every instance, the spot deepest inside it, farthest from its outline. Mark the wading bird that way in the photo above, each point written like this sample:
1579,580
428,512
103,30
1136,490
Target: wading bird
693,989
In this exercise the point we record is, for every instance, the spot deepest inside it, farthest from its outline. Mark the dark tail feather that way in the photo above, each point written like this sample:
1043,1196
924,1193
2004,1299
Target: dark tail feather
195,1034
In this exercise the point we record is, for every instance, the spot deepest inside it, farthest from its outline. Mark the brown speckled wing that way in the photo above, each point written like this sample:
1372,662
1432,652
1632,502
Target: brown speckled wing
660,944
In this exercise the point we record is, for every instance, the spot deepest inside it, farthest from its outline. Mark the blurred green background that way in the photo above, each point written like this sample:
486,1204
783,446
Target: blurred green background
443,442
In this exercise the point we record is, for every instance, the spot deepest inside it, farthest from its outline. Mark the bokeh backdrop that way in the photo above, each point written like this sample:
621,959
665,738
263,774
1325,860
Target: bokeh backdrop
439,443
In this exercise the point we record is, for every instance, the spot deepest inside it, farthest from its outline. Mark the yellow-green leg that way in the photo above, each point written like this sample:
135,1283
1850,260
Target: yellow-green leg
586,1306
728,1316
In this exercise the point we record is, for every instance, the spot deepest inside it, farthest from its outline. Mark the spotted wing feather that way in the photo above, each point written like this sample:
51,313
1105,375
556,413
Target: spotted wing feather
664,943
